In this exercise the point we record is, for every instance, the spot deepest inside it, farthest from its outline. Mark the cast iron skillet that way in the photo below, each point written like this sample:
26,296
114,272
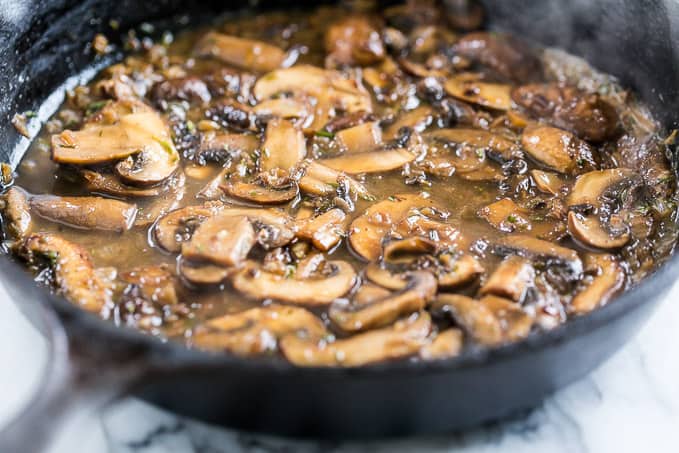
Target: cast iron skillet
41,45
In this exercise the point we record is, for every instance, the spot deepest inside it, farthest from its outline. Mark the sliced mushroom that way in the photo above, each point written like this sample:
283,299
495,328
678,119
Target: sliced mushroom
420,288
259,192
155,283
496,144
222,239
491,95
506,55
405,251
74,274
190,89
212,190
257,330
608,280
153,164
557,149
178,226
204,273
416,120
371,162
360,139
402,339
456,272
16,212
243,53
324,231
511,279
368,230
220,147
296,108
321,180
274,228
547,182
109,184
506,216
91,213
585,114
354,40
445,345
368,293
385,278
538,249
590,187
590,231
332,282
284,146
491,321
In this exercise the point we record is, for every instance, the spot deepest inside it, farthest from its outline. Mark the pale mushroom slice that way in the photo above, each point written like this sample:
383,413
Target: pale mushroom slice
590,231
495,96
274,228
321,180
416,120
491,321
445,345
16,212
511,279
155,283
506,216
496,144
354,40
257,330
324,231
108,184
221,146
457,271
367,230
334,280
403,339
284,146
540,250
243,53
222,239
370,162
90,213
557,149
420,288
74,273
298,109
202,273
176,227
406,251
360,139
258,192
590,187
547,182
608,279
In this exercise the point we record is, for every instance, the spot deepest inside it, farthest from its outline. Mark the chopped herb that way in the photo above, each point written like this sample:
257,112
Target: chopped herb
94,107
114,24
167,146
30,114
69,146
191,127
511,218
290,271
480,153
324,133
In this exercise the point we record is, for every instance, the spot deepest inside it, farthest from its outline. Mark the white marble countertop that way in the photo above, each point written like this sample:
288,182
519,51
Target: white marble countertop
630,404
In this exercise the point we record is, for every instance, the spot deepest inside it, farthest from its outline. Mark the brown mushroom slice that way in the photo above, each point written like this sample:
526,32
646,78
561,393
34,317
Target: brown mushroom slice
383,277
324,231
372,162
368,293
284,146
495,96
178,226
289,108
506,216
405,251
416,120
360,139
321,180
416,223
74,273
589,188
403,339
511,279
259,193
420,288
335,280
203,273
257,330
547,182
243,53
110,185
367,231
506,55
222,239
609,279
16,212
91,213
274,228
479,139
533,248
219,147
515,322
212,190
445,345
590,231
155,283
557,149
354,40
153,164
456,272
587,115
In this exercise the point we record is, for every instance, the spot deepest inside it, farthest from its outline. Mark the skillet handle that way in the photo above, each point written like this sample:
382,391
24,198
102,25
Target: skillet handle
78,380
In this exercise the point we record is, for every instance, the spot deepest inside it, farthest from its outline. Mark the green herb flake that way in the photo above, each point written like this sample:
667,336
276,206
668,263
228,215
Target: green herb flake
324,133
511,218
30,114
94,107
